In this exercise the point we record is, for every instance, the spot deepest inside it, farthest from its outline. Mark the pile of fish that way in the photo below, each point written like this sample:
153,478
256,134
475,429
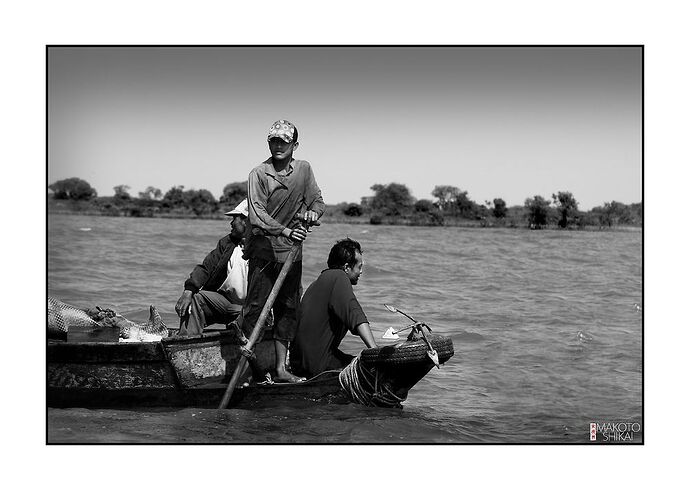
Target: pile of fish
62,316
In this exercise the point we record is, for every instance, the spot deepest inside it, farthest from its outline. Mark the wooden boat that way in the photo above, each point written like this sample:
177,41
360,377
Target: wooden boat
194,372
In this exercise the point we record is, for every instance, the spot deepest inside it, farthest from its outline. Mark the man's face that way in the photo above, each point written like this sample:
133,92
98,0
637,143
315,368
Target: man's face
238,227
353,273
280,150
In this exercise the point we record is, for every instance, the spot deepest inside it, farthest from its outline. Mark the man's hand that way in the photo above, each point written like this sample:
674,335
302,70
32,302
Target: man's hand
311,217
297,234
183,304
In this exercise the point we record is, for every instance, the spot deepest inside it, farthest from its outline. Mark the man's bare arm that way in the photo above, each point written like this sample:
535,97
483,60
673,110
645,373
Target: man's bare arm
364,332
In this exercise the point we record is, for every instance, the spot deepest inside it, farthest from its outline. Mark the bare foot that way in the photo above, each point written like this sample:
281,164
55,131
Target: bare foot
285,376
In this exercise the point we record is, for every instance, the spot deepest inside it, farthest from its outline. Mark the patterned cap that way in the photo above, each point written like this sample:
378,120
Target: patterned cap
282,129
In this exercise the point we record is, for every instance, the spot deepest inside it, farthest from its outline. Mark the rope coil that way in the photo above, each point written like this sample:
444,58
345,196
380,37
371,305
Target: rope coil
363,386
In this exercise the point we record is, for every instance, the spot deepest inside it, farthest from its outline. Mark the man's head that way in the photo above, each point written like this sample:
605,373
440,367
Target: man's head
282,140
238,226
346,254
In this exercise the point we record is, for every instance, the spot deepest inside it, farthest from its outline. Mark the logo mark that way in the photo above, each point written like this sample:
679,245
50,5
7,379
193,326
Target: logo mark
614,431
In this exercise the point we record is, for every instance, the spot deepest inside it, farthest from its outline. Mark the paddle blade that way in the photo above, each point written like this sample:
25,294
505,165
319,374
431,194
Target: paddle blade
390,334
392,309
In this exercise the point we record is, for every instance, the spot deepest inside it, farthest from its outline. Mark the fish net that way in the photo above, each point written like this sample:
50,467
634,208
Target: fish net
63,317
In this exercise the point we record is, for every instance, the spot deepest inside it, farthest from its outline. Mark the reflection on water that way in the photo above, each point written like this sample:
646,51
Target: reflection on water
547,329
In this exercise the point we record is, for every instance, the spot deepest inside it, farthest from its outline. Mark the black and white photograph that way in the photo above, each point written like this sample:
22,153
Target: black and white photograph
344,244
363,244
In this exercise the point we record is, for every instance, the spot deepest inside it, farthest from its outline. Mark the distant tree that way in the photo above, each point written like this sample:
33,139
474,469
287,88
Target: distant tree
589,219
352,210
121,192
566,205
233,193
423,206
613,213
452,200
376,220
435,217
174,197
427,214
463,206
72,188
365,203
201,202
391,199
636,212
515,216
445,195
151,193
499,210
537,211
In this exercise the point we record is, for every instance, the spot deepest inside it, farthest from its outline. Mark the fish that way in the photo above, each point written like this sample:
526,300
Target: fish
62,316
152,330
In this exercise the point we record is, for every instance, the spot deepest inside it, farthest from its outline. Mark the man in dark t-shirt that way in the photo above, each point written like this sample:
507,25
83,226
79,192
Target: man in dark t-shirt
327,311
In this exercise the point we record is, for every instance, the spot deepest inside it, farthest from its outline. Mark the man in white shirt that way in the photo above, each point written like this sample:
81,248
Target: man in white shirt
216,289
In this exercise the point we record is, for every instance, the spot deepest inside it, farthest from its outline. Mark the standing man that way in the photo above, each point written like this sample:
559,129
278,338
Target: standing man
279,189
216,289
329,309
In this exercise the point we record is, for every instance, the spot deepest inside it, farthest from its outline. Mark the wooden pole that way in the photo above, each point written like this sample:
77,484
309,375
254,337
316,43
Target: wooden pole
258,327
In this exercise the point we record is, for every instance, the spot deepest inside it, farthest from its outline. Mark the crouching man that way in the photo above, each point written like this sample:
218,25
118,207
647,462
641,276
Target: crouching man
216,288
327,311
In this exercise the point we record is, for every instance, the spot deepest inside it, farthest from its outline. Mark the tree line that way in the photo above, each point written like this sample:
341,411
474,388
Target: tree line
79,196
391,203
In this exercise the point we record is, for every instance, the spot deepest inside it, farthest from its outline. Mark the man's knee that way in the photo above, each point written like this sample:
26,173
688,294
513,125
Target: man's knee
217,308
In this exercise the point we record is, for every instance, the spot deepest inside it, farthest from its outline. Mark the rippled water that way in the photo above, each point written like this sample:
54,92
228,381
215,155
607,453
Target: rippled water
546,328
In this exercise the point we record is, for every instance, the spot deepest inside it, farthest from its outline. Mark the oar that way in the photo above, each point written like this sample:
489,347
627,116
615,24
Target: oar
258,327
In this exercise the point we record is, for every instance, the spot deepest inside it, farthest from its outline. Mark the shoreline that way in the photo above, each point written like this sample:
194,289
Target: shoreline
363,220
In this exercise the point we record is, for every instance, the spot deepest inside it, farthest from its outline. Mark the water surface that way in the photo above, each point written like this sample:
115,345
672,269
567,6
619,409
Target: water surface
546,328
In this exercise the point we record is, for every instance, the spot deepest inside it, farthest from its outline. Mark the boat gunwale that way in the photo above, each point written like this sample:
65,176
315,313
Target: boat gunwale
58,351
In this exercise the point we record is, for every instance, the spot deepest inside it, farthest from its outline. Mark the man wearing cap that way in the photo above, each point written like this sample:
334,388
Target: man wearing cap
279,188
216,289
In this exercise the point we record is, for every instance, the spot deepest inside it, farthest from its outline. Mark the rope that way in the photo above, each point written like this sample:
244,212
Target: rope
363,386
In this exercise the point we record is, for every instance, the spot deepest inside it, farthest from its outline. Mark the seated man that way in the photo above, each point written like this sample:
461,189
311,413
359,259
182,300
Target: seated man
327,311
216,289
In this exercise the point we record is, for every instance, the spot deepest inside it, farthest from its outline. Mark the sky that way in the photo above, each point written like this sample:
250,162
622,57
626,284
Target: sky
497,122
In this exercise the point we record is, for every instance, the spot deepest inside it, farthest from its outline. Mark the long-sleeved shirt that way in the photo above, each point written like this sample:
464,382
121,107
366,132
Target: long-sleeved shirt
213,271
274,199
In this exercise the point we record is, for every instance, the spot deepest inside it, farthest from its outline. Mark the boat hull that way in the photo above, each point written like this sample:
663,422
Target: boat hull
324,389
174,372
192,372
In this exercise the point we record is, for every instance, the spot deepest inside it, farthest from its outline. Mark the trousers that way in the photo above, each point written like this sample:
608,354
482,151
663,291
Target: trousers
208,308
262,277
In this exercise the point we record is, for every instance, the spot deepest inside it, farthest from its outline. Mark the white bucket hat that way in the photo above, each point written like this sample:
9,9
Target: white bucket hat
241,209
